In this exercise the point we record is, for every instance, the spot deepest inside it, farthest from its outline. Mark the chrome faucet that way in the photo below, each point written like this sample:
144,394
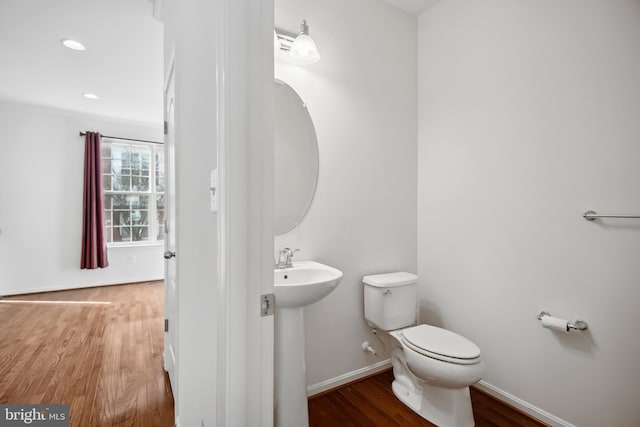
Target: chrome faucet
285,258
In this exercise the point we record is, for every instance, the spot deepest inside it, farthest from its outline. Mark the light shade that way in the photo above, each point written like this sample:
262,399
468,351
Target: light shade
304,50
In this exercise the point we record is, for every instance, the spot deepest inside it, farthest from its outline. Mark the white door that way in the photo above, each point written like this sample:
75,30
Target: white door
170,285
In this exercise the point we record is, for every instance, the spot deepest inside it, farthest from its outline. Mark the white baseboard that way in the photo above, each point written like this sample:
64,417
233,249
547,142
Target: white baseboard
525,407
73,286
347,378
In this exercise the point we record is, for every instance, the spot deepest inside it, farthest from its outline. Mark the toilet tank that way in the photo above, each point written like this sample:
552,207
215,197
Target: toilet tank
390,300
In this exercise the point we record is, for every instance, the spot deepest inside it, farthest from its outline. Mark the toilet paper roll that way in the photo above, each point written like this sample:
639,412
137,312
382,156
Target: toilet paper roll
555,323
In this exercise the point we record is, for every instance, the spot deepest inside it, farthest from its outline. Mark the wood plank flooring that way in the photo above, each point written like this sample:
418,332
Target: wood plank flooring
371,402
98,350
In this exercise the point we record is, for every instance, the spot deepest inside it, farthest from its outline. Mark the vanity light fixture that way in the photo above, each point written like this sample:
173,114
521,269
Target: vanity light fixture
304,49
90,96
301,47
73,44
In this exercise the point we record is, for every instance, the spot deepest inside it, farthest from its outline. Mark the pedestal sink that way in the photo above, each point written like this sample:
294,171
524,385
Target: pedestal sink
303,284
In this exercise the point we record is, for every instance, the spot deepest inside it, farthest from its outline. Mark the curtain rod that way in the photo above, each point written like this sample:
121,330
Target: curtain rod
125,139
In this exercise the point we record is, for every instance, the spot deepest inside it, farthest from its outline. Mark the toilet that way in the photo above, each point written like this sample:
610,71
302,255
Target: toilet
432,367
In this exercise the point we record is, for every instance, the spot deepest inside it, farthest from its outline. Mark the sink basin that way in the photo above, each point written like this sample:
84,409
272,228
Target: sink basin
304,283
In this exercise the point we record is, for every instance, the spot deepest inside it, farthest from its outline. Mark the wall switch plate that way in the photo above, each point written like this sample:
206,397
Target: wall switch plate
213,187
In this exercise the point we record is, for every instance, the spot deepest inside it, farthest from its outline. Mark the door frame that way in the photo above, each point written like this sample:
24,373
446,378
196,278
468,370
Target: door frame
244,113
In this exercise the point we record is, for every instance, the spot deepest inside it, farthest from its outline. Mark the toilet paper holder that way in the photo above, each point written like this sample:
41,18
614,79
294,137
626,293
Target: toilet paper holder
578,325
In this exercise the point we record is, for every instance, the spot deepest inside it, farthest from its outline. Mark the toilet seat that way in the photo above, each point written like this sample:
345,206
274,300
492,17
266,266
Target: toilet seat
441,344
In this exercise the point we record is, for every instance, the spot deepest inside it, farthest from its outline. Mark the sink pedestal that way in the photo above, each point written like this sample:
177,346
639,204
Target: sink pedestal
295,287
291,408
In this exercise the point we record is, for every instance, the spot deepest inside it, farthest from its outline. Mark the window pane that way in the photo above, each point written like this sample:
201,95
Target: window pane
139,233
124,166
145,164
116,175
116,167
105,149
159,170
121,201
116,183
107,202
107,226
160,234
121,218
116,150
127,162
107,222
106,166
121,234
140,217
140,229
141,150
106,182
139,184
160,217
137,201
115,201
135,164
136,157
122,183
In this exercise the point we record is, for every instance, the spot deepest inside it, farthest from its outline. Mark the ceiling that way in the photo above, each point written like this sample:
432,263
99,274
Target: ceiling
414,7
123,63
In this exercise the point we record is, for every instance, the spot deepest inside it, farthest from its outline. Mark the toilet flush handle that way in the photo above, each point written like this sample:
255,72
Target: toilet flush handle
387,293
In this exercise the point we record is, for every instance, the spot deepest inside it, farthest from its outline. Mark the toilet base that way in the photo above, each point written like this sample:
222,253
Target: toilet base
443,407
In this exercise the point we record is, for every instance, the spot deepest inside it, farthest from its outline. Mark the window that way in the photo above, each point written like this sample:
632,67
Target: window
133,182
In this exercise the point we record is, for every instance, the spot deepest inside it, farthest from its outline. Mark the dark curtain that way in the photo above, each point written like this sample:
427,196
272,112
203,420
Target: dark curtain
94,247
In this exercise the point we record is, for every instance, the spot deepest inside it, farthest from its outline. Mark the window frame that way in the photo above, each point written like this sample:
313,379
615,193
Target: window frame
154,226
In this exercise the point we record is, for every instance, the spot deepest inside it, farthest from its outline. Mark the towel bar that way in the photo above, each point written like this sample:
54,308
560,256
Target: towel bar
592,216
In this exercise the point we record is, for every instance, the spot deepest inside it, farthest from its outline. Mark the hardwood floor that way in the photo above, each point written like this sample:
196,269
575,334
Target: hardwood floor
372,403
98,350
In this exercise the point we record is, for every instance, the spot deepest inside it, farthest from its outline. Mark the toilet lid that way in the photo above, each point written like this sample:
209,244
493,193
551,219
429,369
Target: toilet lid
441,344
389,280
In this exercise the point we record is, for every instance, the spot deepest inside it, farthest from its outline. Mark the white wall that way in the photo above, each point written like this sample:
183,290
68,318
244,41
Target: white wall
41,169
362,98
189,27
528,117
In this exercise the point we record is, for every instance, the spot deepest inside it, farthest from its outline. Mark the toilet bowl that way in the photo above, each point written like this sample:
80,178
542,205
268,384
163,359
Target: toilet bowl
439,356
432,367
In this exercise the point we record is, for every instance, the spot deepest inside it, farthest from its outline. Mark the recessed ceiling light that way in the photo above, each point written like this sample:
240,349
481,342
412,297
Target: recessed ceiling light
90,96
73,44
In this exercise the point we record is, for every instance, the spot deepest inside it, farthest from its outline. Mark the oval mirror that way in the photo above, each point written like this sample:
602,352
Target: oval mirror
295,159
